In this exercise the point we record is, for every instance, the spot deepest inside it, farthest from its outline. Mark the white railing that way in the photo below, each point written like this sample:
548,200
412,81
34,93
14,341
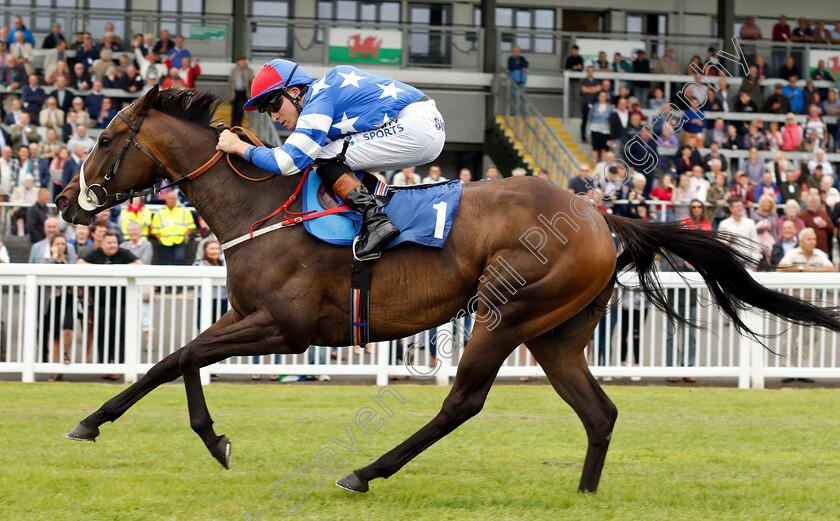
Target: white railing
153,323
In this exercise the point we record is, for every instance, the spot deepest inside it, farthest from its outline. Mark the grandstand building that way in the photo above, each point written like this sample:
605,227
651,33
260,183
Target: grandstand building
452,50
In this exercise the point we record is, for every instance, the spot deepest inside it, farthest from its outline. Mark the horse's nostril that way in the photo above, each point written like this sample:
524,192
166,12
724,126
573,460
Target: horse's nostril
62,201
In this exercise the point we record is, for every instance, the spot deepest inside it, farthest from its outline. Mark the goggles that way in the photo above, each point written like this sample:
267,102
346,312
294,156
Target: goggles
271,104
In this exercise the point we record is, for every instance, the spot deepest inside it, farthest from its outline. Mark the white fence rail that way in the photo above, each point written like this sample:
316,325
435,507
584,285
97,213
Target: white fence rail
123,319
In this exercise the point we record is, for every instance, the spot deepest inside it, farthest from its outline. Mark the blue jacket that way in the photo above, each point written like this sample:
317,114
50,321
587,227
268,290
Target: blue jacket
516,69
596,117
623,66
27,36
112,113
345,101
797,101
33,99
93,104
44,171
70,169
694,128
175,56
761,190
87,57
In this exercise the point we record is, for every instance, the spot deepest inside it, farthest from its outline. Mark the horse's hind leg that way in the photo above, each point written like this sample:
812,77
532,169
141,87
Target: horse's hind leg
560,352
483,356
162,372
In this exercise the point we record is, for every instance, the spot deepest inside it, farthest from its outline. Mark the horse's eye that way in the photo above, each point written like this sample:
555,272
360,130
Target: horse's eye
104,142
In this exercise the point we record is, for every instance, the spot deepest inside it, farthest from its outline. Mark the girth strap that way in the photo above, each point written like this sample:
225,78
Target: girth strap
360,303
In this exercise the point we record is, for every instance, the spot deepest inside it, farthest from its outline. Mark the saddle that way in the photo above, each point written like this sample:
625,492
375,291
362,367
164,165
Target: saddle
424,214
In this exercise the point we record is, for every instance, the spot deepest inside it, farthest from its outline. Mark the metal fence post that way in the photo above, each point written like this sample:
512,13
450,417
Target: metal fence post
131,330
382,352
752,353
744,368
566,99
406,52
325,54
205,302
442,375
30,328
480,36
756,322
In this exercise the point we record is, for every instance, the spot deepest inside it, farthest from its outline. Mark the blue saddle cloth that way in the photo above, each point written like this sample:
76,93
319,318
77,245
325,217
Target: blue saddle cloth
423,214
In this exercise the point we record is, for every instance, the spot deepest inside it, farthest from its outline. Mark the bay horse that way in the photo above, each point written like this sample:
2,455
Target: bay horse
288,290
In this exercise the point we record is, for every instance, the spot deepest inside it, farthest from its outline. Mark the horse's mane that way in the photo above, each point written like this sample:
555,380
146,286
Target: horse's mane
192,106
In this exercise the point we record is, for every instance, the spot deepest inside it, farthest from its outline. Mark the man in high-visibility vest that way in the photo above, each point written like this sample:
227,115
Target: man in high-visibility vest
172,226
136,212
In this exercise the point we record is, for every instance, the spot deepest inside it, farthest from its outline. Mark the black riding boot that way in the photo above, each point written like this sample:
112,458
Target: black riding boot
377,229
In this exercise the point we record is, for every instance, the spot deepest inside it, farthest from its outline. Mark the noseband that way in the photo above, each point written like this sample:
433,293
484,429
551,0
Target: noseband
89,200
91,196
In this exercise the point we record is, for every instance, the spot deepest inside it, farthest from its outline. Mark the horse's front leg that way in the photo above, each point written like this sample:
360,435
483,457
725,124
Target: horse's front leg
164,371
256,334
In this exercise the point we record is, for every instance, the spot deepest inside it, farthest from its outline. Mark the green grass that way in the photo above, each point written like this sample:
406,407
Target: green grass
677,453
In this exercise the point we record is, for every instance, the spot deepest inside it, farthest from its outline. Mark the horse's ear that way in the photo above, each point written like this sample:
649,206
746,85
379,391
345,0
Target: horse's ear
145,103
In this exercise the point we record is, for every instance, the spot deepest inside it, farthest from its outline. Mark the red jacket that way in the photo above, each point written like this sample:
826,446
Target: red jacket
781,33
822,233
791,138
688,222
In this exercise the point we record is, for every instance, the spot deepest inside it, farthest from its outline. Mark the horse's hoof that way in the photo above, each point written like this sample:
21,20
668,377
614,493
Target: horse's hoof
222,451
353,483
83,433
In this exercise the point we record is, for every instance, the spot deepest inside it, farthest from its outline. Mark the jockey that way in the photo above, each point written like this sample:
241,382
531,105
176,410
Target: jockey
349,120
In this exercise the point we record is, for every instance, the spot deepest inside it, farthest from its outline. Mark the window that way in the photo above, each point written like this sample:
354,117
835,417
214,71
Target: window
356,11
359,11
430,46
271,38
96,24
523,18
649,24
736,26
634,23
180,25
40,22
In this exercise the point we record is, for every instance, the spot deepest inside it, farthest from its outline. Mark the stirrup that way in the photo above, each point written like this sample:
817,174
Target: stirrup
369,257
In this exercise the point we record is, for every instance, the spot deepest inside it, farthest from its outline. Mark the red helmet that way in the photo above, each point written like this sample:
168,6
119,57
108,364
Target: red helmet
276,74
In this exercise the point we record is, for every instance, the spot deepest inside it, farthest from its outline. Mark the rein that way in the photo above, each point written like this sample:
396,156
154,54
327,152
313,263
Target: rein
290,219
92,200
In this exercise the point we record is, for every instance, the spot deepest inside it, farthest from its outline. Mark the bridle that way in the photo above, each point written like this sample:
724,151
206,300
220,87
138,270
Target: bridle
90,201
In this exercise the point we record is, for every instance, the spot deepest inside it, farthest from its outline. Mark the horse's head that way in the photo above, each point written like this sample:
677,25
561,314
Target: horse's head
115,167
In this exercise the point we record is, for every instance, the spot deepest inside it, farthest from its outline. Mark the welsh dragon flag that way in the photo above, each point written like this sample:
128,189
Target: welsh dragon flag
365,46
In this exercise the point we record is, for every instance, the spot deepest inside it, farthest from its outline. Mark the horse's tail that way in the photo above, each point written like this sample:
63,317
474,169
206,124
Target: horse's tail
721,266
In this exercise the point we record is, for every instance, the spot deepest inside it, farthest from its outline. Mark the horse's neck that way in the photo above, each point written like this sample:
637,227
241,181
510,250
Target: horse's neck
226,202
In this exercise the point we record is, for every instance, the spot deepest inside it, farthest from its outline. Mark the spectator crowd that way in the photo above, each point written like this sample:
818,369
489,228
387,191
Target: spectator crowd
778,164
48,114
784,196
